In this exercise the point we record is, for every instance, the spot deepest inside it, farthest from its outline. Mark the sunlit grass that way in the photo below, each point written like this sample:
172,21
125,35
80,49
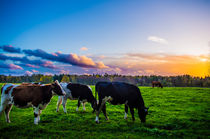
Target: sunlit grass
174,112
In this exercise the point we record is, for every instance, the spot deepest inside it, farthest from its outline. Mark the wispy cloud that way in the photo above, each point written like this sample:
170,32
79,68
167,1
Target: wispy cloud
34,71
29,63
32,66
28,73
157,39
73,59
83,49
10,66
11,49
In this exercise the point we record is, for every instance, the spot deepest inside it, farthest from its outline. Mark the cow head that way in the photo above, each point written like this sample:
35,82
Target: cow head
56,88
143,113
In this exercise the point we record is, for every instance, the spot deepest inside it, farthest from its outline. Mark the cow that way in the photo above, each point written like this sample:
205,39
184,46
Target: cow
32,84
120,93
75,91
24,96
156,83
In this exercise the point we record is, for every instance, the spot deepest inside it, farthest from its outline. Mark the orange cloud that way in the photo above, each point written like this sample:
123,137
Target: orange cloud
83,60
163,64
83,49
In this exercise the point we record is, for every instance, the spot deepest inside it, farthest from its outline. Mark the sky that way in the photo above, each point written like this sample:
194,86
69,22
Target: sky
129,37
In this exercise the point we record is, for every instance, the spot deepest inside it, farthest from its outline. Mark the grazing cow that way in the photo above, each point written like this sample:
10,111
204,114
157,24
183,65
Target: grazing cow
156,83
75,91
24,96
28,84
120,93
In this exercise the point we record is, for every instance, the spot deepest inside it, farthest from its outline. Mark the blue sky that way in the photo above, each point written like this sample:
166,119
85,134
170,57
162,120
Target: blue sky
114,32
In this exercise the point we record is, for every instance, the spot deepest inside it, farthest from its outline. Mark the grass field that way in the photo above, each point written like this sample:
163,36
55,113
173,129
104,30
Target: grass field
174,112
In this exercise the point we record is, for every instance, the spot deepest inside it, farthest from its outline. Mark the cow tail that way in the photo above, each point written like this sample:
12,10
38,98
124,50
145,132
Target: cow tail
96,92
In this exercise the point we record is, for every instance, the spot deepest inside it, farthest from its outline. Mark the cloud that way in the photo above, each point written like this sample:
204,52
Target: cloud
32,66
64,72
101,65
73,59
13,66
48,64
83,49
28,73
9,48
157,39
29,63
165,58
34,71
10,66
162,64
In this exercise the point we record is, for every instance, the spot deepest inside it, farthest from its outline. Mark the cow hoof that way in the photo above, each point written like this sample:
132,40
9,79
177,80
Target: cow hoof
8,122
97,122
107,119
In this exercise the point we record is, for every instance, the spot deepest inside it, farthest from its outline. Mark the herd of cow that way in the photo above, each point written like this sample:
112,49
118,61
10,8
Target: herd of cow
38,96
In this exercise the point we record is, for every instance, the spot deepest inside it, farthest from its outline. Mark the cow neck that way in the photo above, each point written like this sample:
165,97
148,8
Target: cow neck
142,102
48,88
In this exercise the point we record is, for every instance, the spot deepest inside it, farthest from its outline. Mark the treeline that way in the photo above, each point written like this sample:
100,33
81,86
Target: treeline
170,81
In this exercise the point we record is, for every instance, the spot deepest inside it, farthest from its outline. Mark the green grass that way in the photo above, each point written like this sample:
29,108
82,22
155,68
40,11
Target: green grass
174,112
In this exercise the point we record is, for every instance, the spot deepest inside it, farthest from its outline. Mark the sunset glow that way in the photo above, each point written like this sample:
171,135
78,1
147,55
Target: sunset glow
154,37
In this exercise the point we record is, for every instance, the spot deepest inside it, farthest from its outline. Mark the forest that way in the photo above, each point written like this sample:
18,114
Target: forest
167,81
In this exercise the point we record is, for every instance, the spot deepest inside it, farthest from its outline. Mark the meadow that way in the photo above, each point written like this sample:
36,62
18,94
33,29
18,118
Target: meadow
175,112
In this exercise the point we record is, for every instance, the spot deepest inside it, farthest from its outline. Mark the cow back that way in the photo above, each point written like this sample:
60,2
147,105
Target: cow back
80,91
35,95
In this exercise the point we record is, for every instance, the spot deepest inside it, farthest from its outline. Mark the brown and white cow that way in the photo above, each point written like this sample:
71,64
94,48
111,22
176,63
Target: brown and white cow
28,84
24,96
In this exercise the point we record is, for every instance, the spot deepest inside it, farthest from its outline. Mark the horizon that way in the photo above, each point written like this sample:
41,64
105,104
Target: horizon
155,37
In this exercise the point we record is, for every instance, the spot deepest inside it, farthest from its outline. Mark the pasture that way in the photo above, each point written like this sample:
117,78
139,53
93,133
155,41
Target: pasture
175,112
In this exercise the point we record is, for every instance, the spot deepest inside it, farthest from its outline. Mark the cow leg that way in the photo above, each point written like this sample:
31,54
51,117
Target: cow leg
132,113
36,114
4,104
126,112
64,99
78,104
97,111
83,104
7,111
104,111
40,111
100,106
59,103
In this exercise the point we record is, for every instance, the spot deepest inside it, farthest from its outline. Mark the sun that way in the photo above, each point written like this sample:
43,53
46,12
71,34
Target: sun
203,59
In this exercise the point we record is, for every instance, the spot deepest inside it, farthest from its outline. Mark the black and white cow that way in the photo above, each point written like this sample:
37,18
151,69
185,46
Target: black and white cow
75,91
28,95
120,93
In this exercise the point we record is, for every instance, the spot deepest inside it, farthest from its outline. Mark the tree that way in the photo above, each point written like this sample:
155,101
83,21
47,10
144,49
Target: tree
46,79
65,79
